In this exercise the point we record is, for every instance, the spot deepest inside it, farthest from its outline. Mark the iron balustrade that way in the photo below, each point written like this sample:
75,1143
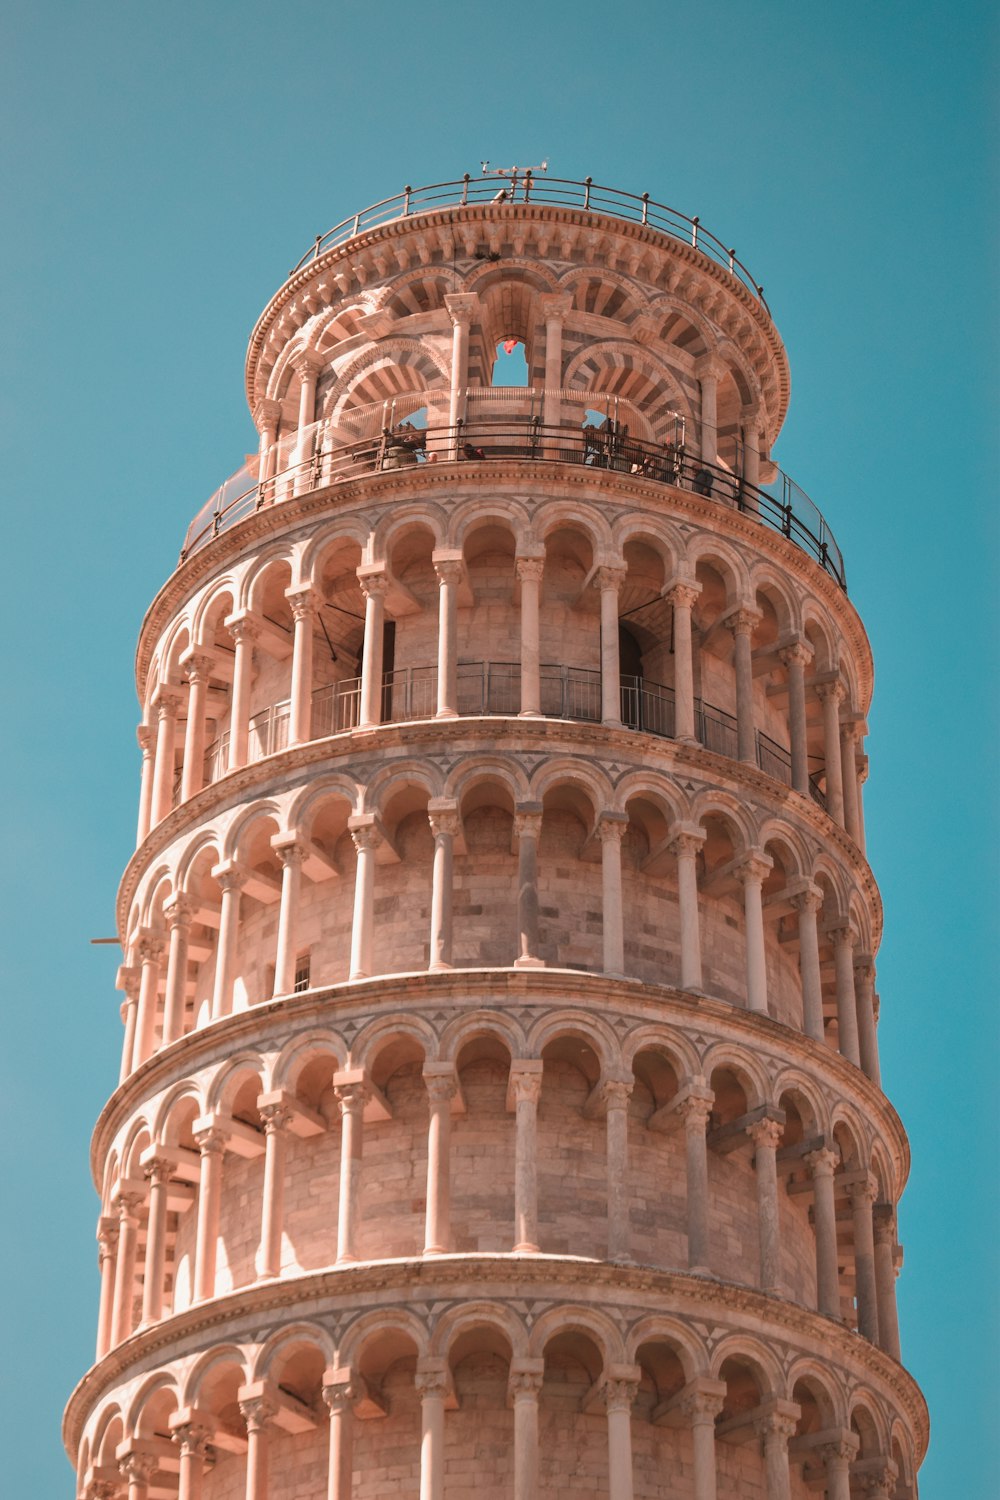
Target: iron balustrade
561,192
494,687
781,506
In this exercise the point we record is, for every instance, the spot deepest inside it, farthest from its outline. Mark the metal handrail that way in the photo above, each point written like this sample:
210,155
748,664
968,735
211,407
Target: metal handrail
561,192
782,506
494,687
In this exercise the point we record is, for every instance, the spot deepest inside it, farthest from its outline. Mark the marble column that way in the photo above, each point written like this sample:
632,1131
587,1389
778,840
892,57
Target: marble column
529,573
751,873
619,1394
211,1144
709,380
128,1204
445,825
682,597
864,991
292,854
432,1385
231,878
821,1166
609,580
244,632
701,1405
137,1469
862,1197
200,666
150,951
523,1390
449,575
884,1234
193,1440
527,829
367,839
685,845
305,604
107,1255
146,737
157,1170
351,1099
830,695
775,1429
374,586
610,830
694,1111
844,938
795,659
167,703
615,1094
442,1087
276,1118
258,1413
766,1137
128,980
807,903
179,914
850,732
742,623
525,1090
461,308
837,1458
341,1389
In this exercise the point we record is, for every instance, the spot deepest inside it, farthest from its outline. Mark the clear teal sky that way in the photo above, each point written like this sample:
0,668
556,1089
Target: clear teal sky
162,166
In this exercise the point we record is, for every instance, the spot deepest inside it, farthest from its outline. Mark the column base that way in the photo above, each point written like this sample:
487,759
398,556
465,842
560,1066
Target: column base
447,713
526,1250
440,968
531,713
529,963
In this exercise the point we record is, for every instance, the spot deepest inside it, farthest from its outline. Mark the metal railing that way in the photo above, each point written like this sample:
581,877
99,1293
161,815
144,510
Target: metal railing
494,687
781,506
561,192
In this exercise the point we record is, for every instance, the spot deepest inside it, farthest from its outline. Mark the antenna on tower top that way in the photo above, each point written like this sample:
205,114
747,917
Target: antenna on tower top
526,173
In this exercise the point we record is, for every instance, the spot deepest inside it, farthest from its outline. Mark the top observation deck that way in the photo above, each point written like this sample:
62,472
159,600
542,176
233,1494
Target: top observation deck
560,192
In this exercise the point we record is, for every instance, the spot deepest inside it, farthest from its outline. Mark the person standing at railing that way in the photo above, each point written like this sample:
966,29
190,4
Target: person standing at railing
468,451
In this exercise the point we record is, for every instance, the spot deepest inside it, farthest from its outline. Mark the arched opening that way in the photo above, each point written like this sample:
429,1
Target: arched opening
482,1149
572,1152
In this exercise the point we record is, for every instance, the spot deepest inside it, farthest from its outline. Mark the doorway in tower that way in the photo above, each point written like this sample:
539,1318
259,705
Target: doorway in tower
630,676
510,366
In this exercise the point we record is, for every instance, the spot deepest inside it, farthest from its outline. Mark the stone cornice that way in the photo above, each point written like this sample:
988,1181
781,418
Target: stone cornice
327,1293
517,219
611,491
473,987
530,734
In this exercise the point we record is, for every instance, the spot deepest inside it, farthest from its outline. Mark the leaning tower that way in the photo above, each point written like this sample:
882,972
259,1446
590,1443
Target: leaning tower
499,1110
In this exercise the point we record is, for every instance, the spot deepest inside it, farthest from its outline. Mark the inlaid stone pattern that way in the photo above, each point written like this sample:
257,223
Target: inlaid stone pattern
499,1110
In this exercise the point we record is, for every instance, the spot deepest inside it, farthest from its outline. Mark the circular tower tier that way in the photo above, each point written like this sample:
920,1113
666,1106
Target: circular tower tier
499,1109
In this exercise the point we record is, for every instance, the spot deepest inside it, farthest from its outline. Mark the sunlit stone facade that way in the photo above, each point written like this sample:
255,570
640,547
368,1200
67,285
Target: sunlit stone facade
499,1110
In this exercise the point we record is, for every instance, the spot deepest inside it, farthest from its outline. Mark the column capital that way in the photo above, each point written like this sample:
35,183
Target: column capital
242,627
841,930
861,1191
210,1136
266,414
766,1132
685,838
193,1438
441,1082
180,910
822,1163
780,1420
527,820
808,897
743,620
276,1117
864,967
620,1387
448,566
352,1093
444,817
841,1447
683,594
108,1230
555,305
341,1388
797,653
149,946
289,849
525,1081
199,665
258,1404
167,699
462,307
525,1379
695,1106
230,875
365,832
702,1399
754,868
611,827
156,1168
433,1377
146,737
127,980
616,1092
529,569
884,1224
373,580
304,601
306,362
609,577
136,1464
753,421
834,689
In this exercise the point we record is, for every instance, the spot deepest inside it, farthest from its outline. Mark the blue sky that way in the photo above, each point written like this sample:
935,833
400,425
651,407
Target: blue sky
162,167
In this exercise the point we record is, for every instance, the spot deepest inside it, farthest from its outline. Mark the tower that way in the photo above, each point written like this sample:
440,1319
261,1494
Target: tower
499,1107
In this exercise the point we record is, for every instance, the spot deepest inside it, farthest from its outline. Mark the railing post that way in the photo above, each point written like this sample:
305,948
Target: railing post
645,208
587,182
465,188
406,199
694,232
